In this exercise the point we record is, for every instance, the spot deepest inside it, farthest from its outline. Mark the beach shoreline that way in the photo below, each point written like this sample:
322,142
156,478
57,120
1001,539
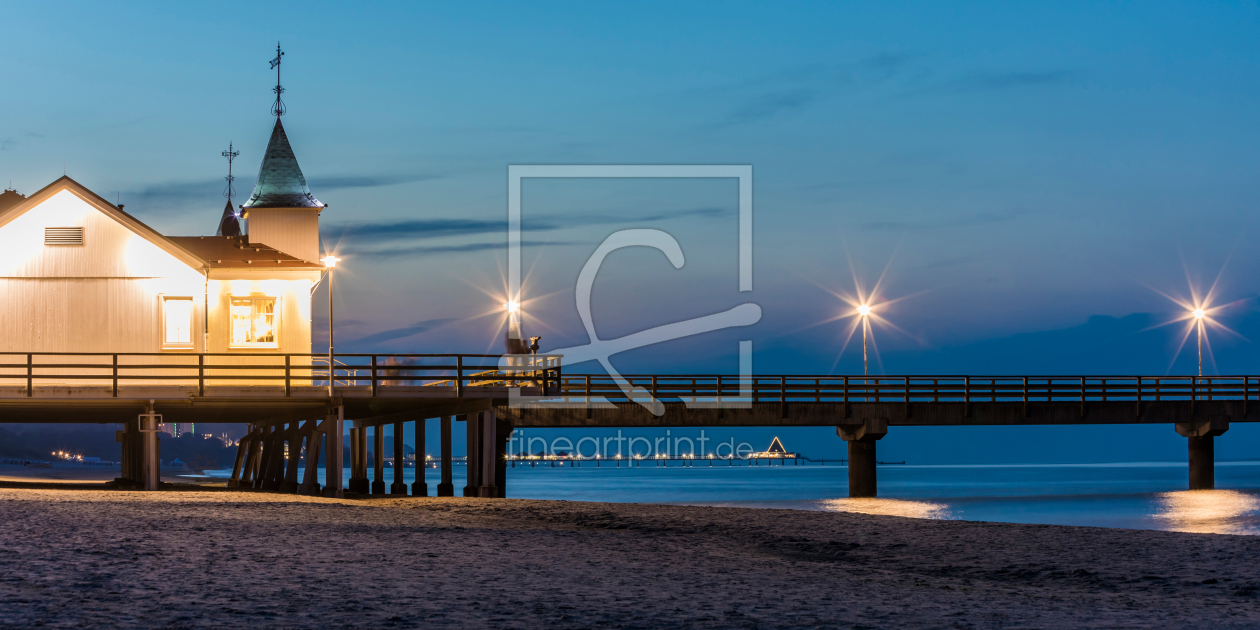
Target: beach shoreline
217,557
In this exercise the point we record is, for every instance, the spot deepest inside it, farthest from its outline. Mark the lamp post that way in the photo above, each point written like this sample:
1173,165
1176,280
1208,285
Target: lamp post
864,312
330,262
1198,324
513,342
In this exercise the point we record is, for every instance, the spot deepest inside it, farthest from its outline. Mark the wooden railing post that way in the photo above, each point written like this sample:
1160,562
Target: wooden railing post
1137,398
201,375
115,377
374,376
30,374
288,370
1082,396
459,376
1025,396
588,396
782,396
966,397
906,384
848,413
719,398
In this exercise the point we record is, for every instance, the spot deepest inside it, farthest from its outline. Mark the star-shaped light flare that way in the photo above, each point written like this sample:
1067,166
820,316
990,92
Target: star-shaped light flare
1198,314
865,309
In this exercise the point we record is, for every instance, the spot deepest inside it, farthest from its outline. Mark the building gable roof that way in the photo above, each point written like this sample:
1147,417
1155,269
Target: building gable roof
238,252
96,201
280,180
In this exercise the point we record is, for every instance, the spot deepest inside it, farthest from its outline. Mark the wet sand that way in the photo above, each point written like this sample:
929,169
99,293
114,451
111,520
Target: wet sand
217,558
75,474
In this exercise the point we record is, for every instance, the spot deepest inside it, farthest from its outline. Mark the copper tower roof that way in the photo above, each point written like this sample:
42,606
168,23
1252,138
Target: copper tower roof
280,181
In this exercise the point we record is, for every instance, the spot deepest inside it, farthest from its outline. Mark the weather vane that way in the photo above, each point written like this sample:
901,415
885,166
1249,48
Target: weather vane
277,109
230,155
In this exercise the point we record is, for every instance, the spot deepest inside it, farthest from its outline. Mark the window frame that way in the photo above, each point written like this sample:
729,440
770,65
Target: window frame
275,321
192,323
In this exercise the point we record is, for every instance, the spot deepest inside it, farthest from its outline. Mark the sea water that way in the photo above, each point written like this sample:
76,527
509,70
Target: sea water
1143,495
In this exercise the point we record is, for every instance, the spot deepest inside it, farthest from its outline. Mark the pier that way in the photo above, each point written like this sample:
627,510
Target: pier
294,405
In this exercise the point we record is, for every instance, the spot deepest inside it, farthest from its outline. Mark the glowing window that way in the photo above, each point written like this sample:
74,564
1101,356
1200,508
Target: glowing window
254,321
177,322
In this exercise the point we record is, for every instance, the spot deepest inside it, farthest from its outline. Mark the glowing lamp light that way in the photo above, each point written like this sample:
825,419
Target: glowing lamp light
1198,313
863,310
330,261
512,307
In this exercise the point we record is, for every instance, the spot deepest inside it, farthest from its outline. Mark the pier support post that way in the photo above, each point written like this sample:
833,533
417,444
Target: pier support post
296,434
314,442
503,432
445,487
361,484
152,463
1201,437
266,448
354,458
472,461
488,445
862,438
419,487
333,457
399,486
378,459
242,449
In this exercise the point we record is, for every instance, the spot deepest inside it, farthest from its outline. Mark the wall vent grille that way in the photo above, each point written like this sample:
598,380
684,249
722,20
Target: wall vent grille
63,236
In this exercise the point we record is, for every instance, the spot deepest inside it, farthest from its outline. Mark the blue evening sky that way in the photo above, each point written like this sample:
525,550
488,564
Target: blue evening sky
1028,175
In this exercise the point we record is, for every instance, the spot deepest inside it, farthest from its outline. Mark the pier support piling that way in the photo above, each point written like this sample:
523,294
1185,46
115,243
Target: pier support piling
862,438
445,487
314,443
334,426
503,431
399,486
1201,436
487,447
419,487
472,461
378,459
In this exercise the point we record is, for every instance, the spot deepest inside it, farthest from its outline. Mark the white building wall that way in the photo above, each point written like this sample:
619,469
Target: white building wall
294,231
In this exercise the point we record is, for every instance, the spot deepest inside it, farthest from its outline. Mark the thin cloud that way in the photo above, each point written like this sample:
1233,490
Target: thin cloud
406,331
420,229
1001,81
422,250
167,196
358,181
927,226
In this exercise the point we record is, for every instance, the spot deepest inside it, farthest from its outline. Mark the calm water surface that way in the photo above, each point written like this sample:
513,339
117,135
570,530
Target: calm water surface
1143,495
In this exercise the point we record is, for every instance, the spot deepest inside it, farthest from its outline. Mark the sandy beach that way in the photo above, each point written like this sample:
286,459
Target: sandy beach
217,558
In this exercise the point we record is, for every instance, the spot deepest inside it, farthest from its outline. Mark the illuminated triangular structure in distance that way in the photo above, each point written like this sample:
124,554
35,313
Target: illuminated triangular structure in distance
776,447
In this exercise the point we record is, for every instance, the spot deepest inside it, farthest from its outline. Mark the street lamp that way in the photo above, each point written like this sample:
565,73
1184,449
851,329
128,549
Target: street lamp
330,262
513,341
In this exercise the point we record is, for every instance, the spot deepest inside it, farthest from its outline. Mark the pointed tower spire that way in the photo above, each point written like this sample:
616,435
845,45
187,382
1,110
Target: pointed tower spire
280,180
229,223
282,212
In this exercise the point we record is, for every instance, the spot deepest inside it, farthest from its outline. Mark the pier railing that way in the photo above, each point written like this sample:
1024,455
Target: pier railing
917,389
25,373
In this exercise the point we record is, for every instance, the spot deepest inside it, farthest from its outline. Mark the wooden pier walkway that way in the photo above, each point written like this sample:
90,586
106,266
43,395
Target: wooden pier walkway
293,407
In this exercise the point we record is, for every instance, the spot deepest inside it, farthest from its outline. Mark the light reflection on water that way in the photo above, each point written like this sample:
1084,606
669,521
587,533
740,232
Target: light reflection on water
887,507
1140,495
1210,512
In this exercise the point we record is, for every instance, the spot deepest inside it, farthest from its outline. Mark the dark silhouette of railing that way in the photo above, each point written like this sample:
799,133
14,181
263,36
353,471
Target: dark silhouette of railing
917,389
287,371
